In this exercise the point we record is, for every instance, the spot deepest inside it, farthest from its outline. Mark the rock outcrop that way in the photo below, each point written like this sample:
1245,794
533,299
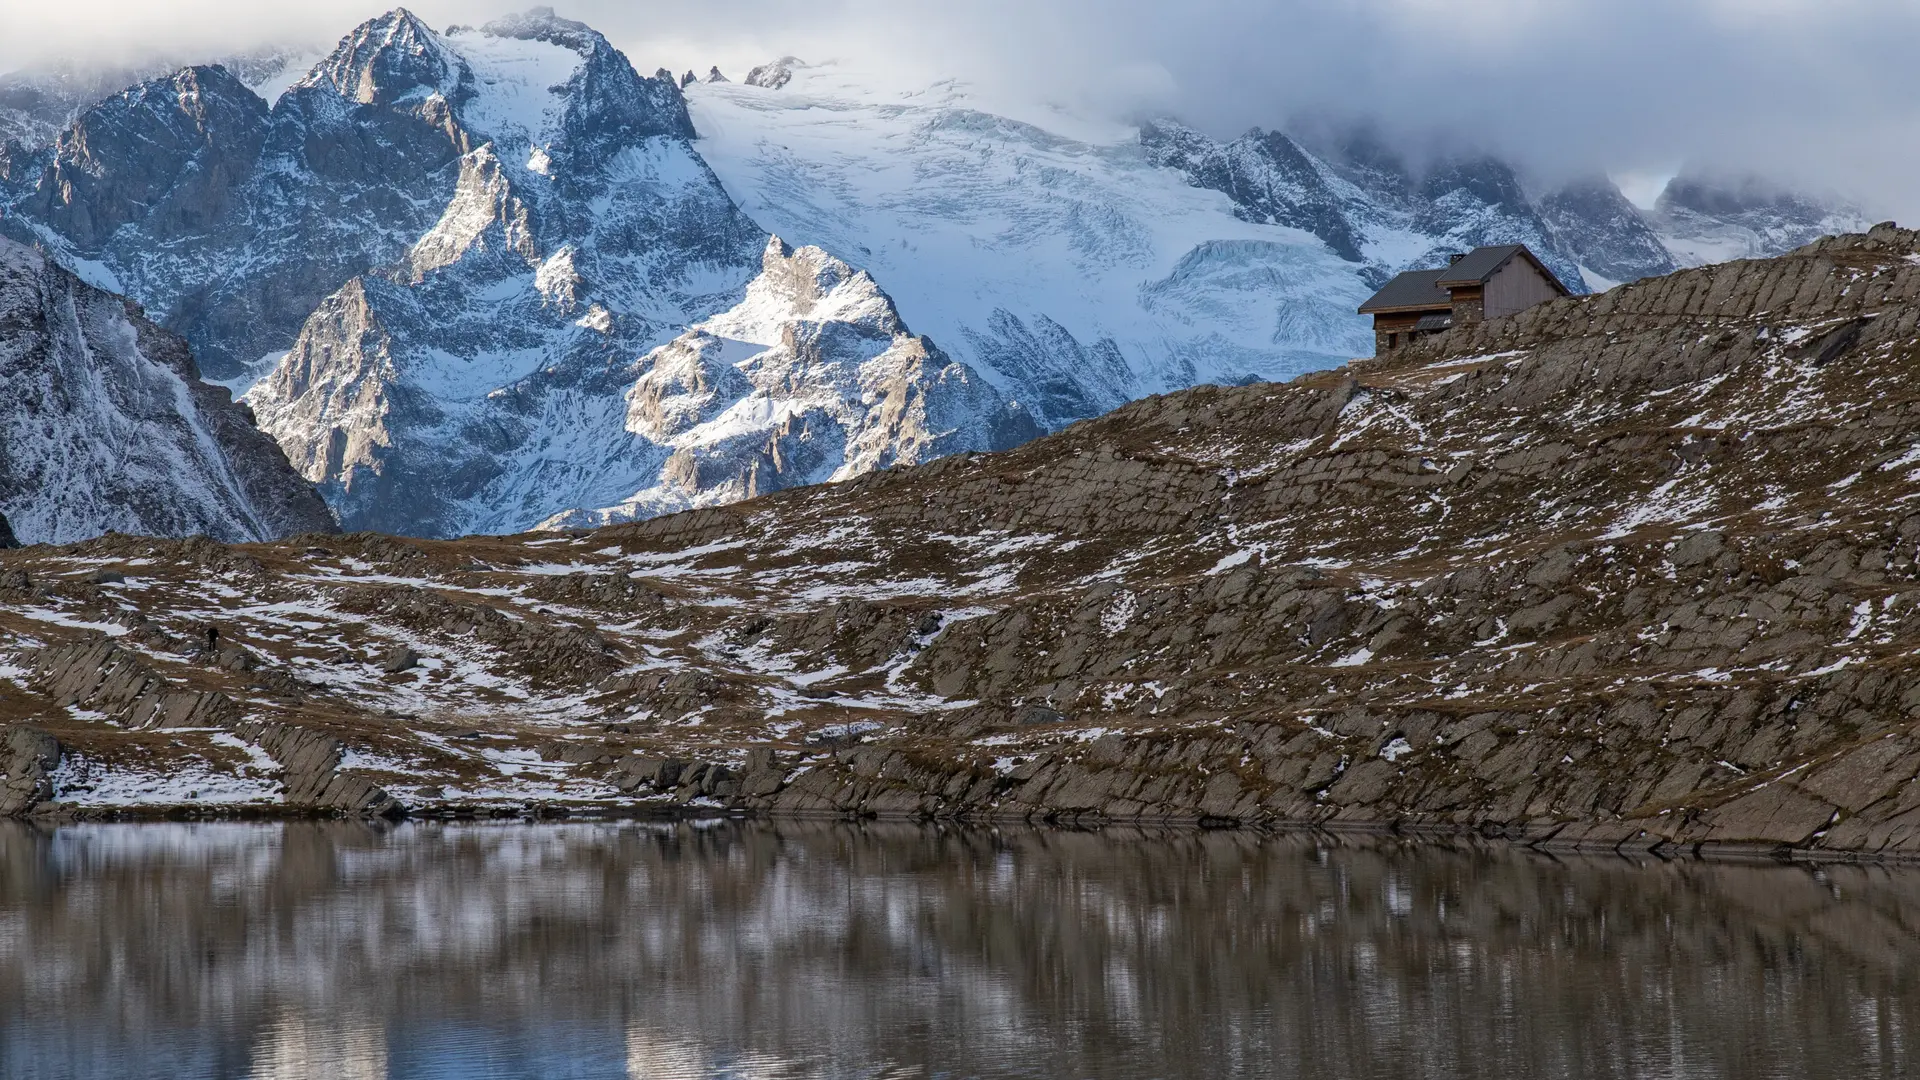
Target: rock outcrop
98,676
28,757
775,75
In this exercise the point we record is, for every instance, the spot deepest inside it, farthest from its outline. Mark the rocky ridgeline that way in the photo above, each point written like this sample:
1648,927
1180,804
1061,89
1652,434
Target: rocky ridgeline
1636,569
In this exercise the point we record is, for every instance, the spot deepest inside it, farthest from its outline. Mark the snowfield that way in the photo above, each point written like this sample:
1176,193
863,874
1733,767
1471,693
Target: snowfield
1074,274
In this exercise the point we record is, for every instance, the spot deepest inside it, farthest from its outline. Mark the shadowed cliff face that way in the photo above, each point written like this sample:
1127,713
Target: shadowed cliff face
106,426
1629,569
817,949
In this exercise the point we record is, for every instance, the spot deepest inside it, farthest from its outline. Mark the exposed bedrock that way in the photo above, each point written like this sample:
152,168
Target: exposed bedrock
98,676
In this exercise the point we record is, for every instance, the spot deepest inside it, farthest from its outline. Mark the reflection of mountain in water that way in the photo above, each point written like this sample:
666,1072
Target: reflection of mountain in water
751,950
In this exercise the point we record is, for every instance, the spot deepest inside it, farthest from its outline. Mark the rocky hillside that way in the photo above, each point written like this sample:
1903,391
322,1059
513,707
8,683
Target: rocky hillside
1635,569
105,425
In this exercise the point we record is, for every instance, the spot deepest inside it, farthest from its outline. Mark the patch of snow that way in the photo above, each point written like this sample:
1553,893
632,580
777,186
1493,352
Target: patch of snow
89,781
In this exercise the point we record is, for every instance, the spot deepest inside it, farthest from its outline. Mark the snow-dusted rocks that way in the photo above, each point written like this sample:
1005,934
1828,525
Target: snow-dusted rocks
105,425
775,75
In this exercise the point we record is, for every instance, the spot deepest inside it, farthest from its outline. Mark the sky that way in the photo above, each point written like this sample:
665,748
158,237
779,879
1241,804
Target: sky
1816,93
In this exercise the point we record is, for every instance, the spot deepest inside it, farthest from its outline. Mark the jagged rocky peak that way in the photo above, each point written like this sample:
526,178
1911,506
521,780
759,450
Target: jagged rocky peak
386,60
810,284
714,76
1270,178
811,378
1605,233
107,427
170,151
775,75
485,213
1479,176
1473,199
340,385
38,102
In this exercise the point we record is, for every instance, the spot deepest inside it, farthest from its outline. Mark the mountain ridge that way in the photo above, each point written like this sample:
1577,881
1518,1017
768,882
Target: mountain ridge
461,243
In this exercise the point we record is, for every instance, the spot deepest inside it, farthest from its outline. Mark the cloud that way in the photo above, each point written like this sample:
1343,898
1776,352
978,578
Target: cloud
1813,92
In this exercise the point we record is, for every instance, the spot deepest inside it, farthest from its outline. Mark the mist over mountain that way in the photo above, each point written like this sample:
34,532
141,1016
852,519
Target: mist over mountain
1809,92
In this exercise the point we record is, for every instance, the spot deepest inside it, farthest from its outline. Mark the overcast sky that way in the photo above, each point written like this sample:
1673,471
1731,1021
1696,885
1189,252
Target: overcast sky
1817,92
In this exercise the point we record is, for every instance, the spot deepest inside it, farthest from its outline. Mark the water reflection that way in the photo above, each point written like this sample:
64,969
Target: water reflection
790,951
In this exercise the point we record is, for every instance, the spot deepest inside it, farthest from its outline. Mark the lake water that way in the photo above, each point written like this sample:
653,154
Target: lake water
818,950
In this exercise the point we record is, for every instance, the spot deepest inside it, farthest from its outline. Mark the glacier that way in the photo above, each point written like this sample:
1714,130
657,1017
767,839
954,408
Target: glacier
1076,275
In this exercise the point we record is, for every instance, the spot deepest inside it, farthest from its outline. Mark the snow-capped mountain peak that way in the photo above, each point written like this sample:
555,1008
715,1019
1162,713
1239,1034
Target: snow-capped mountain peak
386,60
808,285
811,378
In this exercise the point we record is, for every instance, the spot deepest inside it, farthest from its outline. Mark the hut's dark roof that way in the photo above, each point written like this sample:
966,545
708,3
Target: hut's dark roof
1485,262
1477,266
1415,290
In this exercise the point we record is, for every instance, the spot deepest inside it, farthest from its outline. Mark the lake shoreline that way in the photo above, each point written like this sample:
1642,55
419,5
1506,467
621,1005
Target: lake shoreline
1545,842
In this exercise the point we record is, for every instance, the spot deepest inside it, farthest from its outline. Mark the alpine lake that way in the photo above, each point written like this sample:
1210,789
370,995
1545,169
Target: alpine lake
773,950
